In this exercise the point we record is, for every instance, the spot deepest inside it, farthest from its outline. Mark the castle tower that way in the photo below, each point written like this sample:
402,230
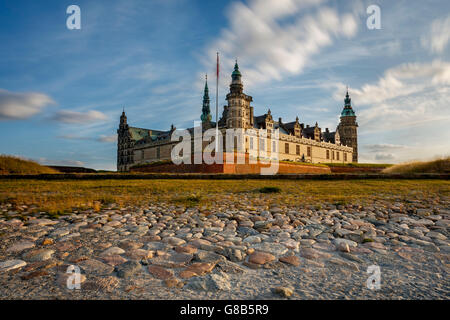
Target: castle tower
348,127
123,144
239,112
206,111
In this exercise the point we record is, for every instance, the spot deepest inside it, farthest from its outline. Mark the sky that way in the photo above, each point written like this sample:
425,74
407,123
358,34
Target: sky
62,90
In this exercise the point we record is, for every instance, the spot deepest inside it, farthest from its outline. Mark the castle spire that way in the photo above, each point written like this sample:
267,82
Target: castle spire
348,127
206,111
236,86
348,110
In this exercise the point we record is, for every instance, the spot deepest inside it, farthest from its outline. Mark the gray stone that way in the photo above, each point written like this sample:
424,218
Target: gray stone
95,267
436,235
338,242
128,269
174,241
234,255
172,260
229,267
252,239
276,249
212,282
20,246
112,251
59,233
38,255
343,263
247,231
207,256
11,265
42,222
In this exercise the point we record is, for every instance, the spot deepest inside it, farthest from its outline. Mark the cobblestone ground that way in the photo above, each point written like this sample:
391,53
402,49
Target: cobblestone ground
161,251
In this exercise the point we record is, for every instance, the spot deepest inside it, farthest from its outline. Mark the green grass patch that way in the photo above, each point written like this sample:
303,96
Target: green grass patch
304,163
270,190
59,196
358,165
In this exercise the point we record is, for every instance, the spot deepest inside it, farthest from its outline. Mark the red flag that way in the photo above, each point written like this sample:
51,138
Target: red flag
217,65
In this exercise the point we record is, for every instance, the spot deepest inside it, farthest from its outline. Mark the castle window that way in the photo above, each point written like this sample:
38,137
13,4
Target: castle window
274,146
251,143
345,157
328,154
337,155
332,155
286,148
297,149
262,146
308,151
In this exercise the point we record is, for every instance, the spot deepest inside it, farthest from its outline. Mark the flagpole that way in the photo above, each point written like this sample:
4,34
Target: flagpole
217,104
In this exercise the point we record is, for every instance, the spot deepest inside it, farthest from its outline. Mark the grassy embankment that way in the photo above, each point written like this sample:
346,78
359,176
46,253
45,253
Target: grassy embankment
435,166
15,165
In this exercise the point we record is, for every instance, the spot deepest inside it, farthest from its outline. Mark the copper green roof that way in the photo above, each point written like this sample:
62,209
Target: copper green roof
348,110
236,71
140,133
206,112
348,113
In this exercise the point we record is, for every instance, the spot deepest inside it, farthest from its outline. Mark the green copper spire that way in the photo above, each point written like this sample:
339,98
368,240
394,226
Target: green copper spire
348,110
206,112
236,73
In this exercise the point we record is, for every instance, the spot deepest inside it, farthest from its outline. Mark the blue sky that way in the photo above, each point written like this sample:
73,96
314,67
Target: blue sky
62,91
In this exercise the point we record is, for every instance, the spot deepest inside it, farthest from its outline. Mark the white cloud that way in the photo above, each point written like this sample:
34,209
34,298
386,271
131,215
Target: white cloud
277,37
101,138
384,156
111,138
49,162
406,95
438,36
68,116
383,147
21,105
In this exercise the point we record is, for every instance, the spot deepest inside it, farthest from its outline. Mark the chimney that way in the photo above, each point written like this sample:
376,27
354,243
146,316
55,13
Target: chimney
279,120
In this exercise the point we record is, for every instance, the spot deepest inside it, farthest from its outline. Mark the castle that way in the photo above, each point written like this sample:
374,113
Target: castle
295,141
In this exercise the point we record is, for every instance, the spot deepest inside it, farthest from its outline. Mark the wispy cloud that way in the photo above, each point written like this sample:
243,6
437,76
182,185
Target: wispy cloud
277,38
383,147
384,156
67,116
21,105
50,162
101,138
108,139
406,95
438,36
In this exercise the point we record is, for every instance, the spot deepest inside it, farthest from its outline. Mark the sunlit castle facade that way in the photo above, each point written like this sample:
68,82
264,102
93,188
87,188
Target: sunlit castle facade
262,136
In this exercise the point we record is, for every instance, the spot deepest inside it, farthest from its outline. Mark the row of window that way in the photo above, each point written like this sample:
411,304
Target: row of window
334,156
337,154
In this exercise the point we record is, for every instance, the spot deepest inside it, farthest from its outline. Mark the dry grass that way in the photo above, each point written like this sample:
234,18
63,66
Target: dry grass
60,196
14,165
435,166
